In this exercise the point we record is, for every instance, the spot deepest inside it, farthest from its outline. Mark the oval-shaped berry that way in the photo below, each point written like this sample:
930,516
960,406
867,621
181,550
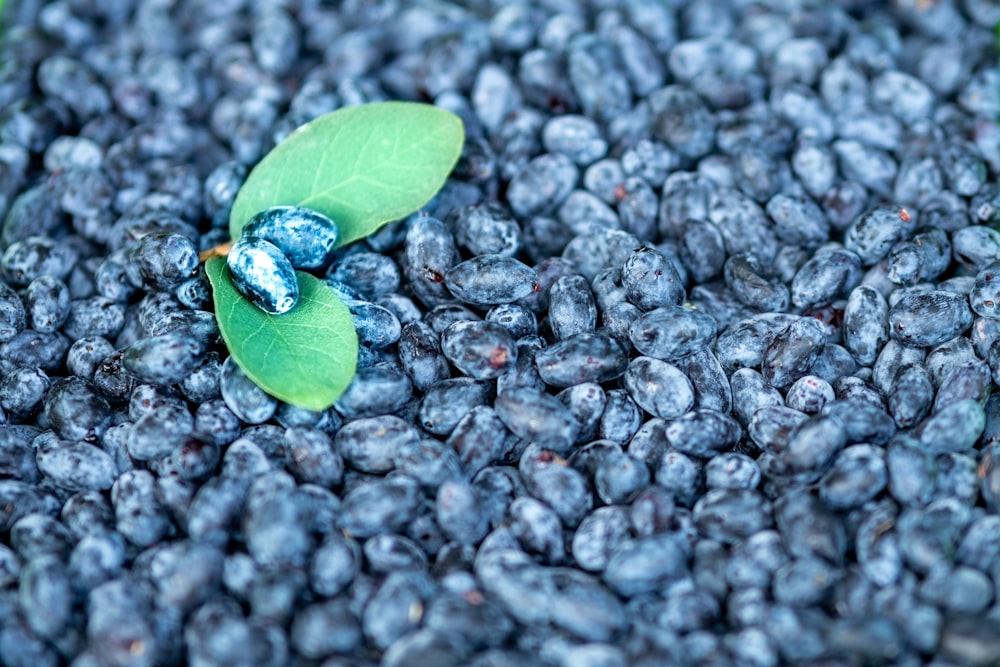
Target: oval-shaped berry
651,280
659,388
307,238
672,332
263,275
488,280
930,318
585,357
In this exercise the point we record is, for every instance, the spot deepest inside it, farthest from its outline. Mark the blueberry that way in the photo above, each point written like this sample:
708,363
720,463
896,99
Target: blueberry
374,390
562,488
23,390
754,285
446,402
858,475
334,565
651,280
577,137
536,416
94,316
918,180
380,506
46,596
621,417
584,357
156,433
586,403
572,308
163,261
429,461
976,246
17,460
387,616
703,433
490,280
542,185
642,565
620,478
931,318
597,536
324,628
518,320
964,171
371,444
478,439
76,466
681,120
481,350
809,394
830,273
164,359
599,249
138,515
75,409
793,351
274,523
193,459
702,249
420,355
485,229
743,223
935,436
809,529
659,388
216,422
873,234
866,323
243,397
370,274
263,275
751,392
377,327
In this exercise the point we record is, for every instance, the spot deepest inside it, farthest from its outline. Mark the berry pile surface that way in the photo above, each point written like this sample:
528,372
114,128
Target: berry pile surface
692,361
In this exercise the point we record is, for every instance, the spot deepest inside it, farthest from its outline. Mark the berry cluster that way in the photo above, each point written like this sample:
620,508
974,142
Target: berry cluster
274,243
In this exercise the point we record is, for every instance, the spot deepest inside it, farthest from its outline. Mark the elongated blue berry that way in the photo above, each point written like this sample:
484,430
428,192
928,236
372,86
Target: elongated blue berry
263,275
307,238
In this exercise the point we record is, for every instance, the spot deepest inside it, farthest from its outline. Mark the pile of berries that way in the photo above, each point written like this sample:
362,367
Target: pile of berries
274,243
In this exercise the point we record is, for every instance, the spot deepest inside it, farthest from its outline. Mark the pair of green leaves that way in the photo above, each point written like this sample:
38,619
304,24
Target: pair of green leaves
362,166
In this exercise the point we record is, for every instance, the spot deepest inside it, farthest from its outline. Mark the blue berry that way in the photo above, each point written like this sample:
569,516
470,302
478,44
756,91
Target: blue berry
659,388
931,318
370,274
491,280
247,401
643,565
651,280
584,357
537,416
263,275
481,350
164,261
371,444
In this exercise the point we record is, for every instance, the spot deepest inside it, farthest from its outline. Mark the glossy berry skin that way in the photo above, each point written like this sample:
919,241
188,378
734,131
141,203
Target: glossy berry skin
307,238
263,275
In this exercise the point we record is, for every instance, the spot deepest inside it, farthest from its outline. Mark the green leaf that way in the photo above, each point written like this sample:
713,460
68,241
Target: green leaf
306,357
362,166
